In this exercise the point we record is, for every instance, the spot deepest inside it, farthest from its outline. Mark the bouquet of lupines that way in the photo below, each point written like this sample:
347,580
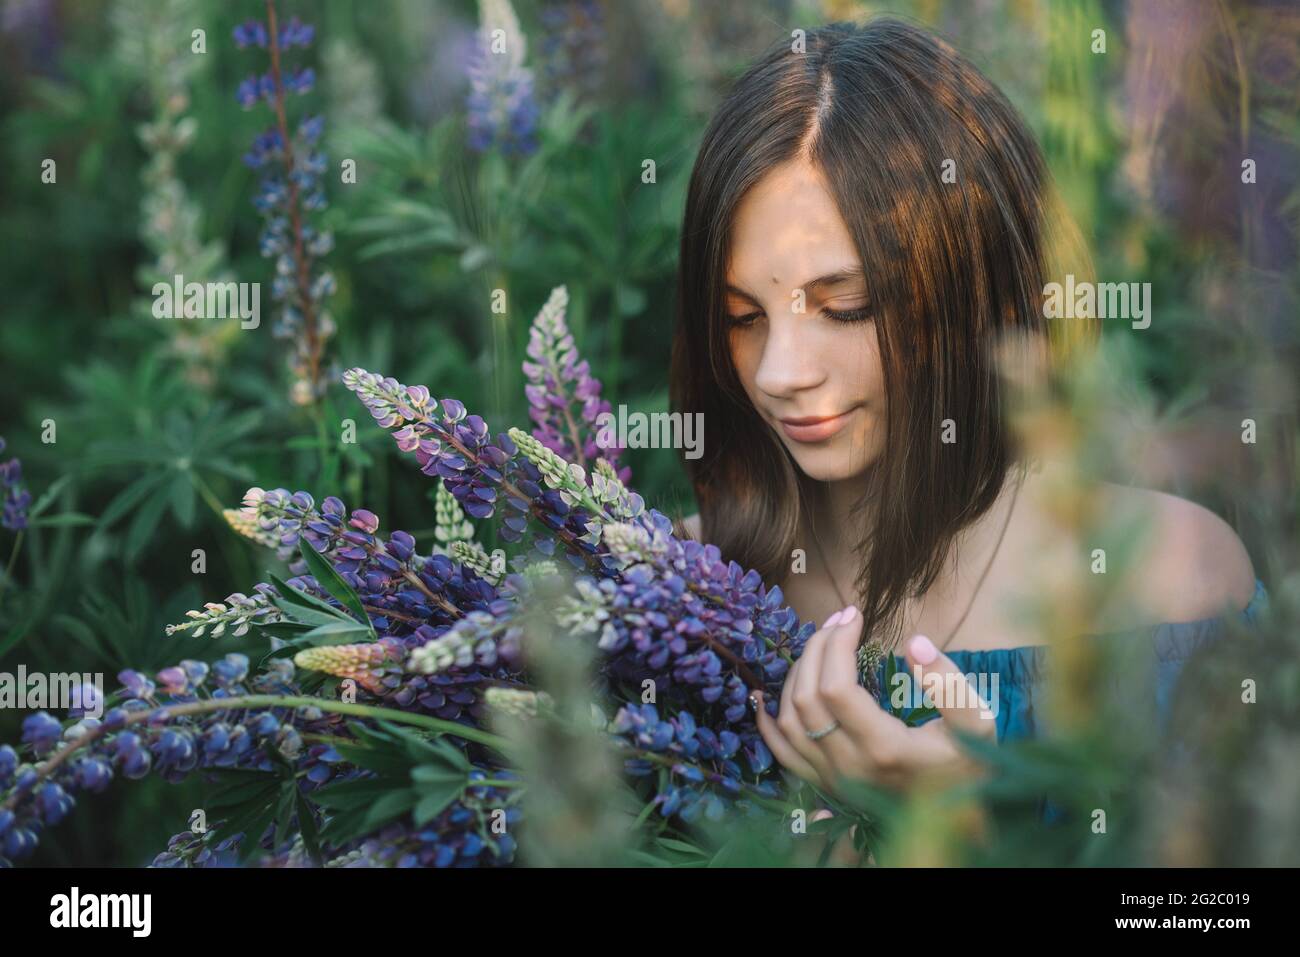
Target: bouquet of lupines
363,738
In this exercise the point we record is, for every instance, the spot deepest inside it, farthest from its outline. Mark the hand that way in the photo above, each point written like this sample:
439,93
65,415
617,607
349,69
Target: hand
869,744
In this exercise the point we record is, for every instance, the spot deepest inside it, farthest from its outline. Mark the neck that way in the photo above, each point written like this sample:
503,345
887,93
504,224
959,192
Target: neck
837,525
841,524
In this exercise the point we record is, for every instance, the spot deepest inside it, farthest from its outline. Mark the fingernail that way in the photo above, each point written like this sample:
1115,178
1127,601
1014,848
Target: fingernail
834,619
753,702
848,614
922,650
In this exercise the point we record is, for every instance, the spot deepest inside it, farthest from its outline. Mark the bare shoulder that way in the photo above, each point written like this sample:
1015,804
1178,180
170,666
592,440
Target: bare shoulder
692,525
1192,564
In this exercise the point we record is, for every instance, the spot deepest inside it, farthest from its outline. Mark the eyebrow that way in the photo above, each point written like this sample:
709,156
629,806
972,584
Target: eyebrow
830,279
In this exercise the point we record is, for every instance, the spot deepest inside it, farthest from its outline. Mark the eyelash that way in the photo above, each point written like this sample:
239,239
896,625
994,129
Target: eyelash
848,316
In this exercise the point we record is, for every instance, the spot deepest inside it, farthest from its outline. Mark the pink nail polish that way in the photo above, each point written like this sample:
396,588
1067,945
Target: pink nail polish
833,619
848,614
923,650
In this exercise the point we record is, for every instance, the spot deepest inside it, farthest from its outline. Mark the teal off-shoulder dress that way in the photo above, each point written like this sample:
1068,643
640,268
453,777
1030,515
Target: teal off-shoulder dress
1153,658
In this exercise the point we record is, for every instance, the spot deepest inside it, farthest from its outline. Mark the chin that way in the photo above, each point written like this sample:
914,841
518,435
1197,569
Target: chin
835,463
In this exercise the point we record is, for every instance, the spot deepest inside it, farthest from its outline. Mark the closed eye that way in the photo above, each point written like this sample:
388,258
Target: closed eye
838,315
848,315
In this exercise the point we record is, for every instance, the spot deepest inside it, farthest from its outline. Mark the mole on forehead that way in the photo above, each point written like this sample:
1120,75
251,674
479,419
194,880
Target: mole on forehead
830,279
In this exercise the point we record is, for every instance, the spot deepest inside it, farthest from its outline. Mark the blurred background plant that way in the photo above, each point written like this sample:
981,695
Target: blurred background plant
502,149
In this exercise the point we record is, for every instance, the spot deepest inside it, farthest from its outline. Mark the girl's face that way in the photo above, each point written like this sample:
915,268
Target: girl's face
801,321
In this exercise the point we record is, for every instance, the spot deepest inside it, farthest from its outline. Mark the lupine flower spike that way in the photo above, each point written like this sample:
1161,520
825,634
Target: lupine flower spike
292,166
502,111
16,498
563,398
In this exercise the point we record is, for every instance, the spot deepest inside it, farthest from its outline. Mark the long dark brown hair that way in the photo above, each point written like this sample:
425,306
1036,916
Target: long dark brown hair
951,267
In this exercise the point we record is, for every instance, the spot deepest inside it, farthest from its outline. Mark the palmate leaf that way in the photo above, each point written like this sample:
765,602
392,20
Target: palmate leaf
411,775
251,801
248,805
125,500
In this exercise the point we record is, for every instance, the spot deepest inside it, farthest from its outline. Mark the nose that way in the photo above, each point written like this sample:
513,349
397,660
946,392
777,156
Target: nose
789,363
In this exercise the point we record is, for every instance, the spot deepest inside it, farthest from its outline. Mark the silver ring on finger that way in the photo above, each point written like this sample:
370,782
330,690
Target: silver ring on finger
818,735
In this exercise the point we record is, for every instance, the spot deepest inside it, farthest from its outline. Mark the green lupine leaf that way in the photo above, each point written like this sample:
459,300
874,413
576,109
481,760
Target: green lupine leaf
307,827
182,499
333,582
143,526
301,607
62,520
46,500
125,500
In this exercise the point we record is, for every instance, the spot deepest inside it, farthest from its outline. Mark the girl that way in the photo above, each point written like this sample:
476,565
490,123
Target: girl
867,219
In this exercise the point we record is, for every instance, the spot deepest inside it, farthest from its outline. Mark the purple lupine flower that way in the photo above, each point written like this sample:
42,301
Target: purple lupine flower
290,187
14,498
250,33
574,48
41,732
563,398
295,33
502,111
8,764
188,849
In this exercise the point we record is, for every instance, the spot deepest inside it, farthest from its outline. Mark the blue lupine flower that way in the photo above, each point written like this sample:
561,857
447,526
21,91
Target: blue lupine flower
250,33
41,731
502,111
14,498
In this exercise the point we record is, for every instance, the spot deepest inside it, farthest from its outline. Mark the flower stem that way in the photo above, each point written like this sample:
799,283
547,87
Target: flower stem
13,558
242,702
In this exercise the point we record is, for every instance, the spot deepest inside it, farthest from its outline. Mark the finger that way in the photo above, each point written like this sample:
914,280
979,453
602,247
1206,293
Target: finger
933,750
850,703
832,753
878,740
787,689
779,745
804,679
830,672
791,724
954,693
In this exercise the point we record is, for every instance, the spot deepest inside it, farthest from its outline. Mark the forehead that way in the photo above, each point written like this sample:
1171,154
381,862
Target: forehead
788,227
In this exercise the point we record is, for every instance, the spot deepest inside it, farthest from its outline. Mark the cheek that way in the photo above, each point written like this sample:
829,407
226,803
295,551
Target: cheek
746,354
855,354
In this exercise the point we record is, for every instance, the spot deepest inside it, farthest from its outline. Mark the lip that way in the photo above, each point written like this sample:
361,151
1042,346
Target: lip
814,428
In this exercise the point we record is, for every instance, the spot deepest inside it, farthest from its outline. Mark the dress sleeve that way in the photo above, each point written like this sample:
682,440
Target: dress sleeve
1176,643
